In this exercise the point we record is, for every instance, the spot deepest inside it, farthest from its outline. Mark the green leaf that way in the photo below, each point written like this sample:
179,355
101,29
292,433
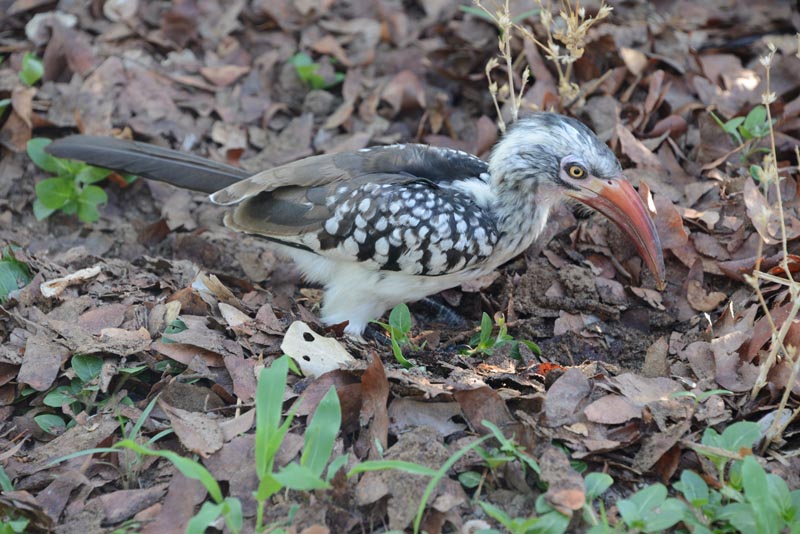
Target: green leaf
301,59
204,518
176,327
526,14
232,510
134,432
732,125
267,487
755,119
756,490
400,318
32,69
398,354
40,212
705,395
189,468
55,193
14,526
740,515
549,523
693,487
781,497
338,463
321,433
470,479
50,423
634,510
497,514
381,465
4,102
87,367
300,478
13,274
533,346
477,12
43,160
741,435
597,484
88,200
59,397
307,70
650,497
89,175
664,516
486,330
269,406
5,482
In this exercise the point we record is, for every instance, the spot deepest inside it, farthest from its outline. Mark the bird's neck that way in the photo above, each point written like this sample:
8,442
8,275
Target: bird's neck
521,215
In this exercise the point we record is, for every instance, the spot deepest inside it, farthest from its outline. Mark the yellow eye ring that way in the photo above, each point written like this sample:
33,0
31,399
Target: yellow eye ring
576,171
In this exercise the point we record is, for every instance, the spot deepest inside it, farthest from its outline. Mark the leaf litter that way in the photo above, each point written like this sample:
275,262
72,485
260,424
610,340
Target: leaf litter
170,303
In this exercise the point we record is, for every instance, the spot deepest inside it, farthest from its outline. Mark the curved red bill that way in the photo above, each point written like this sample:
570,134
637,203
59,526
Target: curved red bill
618,200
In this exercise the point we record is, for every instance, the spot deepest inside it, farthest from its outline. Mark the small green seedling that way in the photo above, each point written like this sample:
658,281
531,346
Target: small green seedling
14,274
32,69
650,510
700,398
307,70
308,474
549,520
82,392
749,499
486,343
747,130
130,465
398,328
72,190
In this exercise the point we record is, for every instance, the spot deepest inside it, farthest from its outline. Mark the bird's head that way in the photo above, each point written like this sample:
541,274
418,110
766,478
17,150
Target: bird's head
546,158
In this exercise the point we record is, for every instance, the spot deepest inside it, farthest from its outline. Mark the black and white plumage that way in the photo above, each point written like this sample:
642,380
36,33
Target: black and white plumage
393,224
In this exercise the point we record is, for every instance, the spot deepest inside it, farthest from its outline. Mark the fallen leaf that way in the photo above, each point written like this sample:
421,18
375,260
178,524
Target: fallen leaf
701,300
561,406
315,354
197,432
612,410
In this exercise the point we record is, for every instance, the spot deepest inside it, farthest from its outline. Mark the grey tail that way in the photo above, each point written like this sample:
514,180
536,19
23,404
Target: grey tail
148,161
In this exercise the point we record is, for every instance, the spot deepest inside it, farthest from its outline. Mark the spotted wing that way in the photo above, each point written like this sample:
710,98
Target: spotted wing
389,208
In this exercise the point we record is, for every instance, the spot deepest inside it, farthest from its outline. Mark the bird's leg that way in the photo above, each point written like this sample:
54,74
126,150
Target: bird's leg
436,312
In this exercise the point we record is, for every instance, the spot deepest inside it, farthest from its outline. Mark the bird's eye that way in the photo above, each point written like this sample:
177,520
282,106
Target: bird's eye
576,171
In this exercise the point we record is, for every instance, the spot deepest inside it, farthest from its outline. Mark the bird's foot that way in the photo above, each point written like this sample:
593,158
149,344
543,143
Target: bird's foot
436,312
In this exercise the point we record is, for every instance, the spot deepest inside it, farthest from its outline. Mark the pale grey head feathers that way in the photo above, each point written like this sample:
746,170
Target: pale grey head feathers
535,146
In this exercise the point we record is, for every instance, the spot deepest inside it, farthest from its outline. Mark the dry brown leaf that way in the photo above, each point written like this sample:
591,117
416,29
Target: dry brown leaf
566,491
565,396
196,431
650,296
406,413
612,410
374,414
41,363
702,300
481,404
404,92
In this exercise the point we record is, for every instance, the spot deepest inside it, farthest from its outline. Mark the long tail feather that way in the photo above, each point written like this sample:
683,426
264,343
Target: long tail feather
149,161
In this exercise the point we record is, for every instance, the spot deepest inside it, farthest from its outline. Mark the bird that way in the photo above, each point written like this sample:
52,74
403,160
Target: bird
385,225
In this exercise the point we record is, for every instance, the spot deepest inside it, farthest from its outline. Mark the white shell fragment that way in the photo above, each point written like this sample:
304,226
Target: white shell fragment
56,286
313,353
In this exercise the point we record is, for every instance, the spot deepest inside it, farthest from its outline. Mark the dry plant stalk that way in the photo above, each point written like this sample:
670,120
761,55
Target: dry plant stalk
771,177
570,30
501,16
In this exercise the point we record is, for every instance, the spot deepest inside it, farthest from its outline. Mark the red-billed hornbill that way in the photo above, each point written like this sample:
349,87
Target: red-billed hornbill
393,224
